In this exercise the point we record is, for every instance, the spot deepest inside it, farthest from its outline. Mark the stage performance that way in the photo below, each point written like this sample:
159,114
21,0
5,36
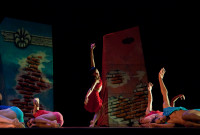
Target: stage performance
150,114
174,115
96,68
44,118
93,102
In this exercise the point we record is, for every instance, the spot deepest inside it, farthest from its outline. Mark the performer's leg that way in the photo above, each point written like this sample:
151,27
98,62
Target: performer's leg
46,118
4,119
6,125
163,89
191,115
15,122
42,125
191,124
150,99
96,117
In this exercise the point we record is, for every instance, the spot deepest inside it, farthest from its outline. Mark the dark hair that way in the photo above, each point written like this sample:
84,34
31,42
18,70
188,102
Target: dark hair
92,70
153,120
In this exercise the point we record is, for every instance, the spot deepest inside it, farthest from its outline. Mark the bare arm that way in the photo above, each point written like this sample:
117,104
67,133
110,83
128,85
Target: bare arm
181,96
167,125
90,91
150,99
163,88
92,54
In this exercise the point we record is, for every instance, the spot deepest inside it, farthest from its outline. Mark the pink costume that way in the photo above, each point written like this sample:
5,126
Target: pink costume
58,115
154,112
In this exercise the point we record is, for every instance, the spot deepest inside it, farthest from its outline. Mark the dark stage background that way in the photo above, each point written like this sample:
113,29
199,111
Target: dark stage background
169,33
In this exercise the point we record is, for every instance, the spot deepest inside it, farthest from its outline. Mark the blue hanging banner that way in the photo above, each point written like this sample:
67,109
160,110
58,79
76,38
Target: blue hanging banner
26,64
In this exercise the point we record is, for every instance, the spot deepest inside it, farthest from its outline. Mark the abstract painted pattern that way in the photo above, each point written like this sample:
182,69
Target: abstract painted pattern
30,81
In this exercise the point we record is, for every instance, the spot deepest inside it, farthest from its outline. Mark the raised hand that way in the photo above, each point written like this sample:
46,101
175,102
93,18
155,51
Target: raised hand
162,73
92,46
181,96
149,87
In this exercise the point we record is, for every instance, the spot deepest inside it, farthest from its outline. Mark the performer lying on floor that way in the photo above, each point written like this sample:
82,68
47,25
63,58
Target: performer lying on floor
93,102
11,117
43,118
150,114
174,115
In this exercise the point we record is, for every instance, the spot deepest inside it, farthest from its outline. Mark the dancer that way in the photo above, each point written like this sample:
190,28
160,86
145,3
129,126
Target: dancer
174,115
11,117
43,118
150,114
93,102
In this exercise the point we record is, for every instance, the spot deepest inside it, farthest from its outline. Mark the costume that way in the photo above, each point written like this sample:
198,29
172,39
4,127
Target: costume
154,112
19,113
59,117
40,112
94,101
2,107
169,110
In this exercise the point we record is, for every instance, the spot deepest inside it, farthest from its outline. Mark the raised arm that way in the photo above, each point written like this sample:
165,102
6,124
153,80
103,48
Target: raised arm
163,88
150,99
92,54
181,96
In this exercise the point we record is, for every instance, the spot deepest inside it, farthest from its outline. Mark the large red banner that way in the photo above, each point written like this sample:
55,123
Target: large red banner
124,78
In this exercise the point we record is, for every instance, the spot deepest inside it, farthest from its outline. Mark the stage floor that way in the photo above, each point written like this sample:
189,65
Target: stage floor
101,131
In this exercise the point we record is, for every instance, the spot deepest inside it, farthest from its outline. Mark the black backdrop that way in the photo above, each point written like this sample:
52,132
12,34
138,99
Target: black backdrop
169,33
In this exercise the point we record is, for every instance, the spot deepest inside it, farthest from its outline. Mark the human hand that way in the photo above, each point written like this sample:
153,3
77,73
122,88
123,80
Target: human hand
162,73
30,122
149,87
17,124
181,96
86,101
92,46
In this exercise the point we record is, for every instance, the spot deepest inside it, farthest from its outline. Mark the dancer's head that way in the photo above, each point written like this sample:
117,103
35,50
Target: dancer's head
36,102
94,72
160,119
148,119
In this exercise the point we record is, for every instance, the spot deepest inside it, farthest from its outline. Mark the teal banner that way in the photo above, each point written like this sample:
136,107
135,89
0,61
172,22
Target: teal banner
26,64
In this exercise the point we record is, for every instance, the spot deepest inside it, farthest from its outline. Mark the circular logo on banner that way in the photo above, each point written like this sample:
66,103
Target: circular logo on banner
22,38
